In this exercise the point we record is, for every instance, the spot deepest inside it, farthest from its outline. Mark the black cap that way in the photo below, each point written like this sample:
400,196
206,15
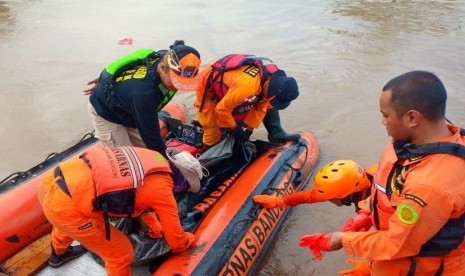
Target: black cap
283,88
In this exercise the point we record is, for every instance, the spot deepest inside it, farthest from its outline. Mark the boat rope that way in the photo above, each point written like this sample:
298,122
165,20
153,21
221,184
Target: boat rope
254,212
251,217
60,156
21,175
13,176
305,159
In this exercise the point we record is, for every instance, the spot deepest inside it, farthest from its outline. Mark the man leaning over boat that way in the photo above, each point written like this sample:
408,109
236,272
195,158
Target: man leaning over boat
80,194
238,92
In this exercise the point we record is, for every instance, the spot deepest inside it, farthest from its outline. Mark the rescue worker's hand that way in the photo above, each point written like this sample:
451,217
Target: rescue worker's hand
269,201
151,222
190,242
191,238
360,268
90,90
316,243
240,134
360,222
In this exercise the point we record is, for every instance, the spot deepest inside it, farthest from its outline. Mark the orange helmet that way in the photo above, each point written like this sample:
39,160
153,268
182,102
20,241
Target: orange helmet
339,179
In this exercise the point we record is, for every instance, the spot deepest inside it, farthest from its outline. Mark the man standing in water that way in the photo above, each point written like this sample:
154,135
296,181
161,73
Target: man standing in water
418,198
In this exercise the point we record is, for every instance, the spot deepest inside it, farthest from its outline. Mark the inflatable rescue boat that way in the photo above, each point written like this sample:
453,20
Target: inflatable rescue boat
232,233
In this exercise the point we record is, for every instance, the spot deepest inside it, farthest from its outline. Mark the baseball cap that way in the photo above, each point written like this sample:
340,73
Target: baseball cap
189,166
282,89
184,63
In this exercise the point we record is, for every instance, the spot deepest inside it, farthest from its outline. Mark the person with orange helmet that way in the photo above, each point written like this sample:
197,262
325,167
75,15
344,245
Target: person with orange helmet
125,100
80,194
418,196
341,182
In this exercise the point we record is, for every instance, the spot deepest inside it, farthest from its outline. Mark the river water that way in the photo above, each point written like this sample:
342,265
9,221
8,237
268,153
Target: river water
341,52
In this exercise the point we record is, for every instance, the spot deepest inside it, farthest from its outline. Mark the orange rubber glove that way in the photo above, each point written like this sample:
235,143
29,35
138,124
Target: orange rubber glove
316,243
269,201
150,219
360,222
190,242
360,268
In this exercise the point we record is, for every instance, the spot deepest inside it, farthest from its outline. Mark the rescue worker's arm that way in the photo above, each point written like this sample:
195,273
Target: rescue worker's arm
241,87
255,117
414,222
145,113
157,194
273,201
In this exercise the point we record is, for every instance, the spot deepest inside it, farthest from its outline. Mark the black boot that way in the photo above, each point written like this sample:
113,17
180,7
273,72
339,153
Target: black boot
276,134
71,253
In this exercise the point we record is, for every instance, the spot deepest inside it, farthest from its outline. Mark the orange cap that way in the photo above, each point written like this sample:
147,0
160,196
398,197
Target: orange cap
339,179
184,63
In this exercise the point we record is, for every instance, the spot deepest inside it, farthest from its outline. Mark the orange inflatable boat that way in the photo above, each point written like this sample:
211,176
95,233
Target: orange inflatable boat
22,219
232,233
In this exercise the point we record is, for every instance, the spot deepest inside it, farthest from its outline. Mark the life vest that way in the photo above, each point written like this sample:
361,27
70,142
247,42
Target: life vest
215,81
117,173
452,234
114,72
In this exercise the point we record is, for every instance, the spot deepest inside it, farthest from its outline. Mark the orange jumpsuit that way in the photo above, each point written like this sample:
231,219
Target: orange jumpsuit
433,192
76,219
243,86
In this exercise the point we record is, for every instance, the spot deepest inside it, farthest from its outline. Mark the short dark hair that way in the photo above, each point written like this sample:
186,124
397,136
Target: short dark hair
418,90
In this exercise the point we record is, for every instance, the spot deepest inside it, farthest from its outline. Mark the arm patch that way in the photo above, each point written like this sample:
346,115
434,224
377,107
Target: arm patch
407,214
416,199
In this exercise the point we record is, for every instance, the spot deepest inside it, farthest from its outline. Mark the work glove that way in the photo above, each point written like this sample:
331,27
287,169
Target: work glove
316,243
360,268
153,227
269,201
240,134
190,242
360,222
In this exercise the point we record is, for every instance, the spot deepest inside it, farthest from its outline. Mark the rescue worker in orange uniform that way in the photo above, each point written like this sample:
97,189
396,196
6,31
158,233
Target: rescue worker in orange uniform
76,194
341,182
244,104
418,197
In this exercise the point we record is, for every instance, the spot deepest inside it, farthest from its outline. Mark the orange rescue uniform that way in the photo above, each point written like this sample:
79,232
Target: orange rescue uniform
75,218
433,192
243,85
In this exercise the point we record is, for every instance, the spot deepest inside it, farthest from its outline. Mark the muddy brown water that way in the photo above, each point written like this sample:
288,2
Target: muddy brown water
340,52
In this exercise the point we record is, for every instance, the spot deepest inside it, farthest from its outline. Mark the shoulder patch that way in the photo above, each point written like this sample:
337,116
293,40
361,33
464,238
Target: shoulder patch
407,214
252,70
416,199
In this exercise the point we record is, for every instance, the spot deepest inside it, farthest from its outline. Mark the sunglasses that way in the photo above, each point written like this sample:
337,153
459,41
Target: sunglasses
173,63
